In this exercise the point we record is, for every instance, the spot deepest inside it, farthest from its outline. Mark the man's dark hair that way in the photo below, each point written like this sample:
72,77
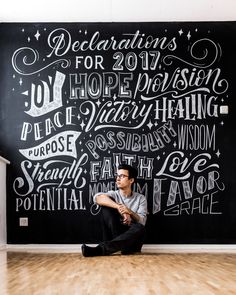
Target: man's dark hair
133,173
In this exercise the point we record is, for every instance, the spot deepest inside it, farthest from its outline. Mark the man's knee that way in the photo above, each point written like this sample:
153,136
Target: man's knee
110,215
138,227
107,211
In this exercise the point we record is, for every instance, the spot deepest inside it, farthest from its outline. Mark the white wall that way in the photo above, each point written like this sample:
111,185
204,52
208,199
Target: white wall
3,163
116,10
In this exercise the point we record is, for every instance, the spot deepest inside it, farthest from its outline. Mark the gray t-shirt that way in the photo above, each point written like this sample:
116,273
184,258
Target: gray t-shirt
137,202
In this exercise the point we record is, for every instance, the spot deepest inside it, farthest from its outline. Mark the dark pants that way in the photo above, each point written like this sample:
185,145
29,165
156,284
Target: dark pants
118,236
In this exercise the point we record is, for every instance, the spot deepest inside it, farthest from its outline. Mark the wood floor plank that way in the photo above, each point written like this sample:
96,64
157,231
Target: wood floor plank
70,273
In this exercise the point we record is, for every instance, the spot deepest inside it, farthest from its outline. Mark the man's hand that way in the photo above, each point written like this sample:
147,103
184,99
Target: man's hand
125,212
127,219
123,209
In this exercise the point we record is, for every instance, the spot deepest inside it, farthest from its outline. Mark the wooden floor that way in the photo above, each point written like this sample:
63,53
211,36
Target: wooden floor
70,273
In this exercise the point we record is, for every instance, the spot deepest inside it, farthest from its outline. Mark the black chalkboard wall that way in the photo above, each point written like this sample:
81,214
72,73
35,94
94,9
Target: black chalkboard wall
77,99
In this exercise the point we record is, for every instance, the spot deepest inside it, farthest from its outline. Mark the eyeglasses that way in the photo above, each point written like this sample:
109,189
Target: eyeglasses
121,176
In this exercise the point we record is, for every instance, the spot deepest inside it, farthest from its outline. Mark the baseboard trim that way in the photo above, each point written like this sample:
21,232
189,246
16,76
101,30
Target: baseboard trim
2,247
189,248
147,248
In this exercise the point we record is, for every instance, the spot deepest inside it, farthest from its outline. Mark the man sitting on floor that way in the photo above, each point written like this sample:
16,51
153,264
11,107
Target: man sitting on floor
124,215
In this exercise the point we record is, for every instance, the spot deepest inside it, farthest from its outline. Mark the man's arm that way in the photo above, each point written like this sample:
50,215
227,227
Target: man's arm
105,200
140,215
125,210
